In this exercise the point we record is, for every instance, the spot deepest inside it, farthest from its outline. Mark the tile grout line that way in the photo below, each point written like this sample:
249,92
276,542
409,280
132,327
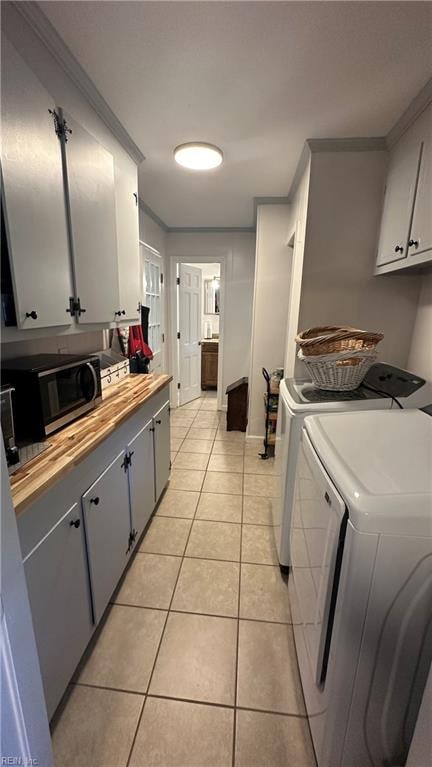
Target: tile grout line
159,647
238,628
193,701
165,623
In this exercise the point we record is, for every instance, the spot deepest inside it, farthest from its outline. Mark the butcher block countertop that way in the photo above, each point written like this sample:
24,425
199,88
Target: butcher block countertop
72,444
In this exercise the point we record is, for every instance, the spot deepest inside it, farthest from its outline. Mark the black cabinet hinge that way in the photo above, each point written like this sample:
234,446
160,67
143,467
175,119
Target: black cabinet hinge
178,334
136,198
161,279
178,280
75,308
163,338
178,385
132,538
127,460
60,126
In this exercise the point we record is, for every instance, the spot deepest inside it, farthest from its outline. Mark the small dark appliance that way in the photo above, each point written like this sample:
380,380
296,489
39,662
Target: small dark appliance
51,390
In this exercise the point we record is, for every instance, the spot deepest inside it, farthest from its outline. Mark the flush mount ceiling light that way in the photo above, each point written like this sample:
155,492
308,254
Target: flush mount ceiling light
198,156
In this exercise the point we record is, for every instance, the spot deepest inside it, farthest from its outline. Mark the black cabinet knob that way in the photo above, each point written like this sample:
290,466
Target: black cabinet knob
398,249
123,311
151,428
158,422
75,523
95,500
117,314
414,243
32,315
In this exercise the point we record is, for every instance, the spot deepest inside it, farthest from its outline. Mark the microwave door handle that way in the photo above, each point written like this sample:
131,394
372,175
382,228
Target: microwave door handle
90,366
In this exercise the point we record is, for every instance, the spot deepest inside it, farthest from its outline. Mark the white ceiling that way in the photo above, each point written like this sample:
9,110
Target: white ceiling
255,78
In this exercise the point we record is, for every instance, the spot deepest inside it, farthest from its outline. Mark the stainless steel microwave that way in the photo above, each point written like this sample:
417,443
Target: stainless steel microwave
51,390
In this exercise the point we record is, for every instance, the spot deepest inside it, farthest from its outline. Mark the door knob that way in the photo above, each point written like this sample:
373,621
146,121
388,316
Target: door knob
32,314
75,523
95,500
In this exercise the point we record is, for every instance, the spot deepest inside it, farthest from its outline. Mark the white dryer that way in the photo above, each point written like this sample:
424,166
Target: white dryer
383,385
361,582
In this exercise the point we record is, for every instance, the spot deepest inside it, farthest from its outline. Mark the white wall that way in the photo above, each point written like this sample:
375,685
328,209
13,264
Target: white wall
420,353
338,285
239,250
270,307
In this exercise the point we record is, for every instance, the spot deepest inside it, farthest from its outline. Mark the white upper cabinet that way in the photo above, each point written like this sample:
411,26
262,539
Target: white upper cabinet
90,183
398,200
33,198
126,195
406,224
420,239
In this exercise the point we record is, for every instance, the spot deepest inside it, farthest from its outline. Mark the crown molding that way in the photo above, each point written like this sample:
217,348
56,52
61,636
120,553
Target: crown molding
146,209
36,18
414,110
268,201
190,229
366,144
210,229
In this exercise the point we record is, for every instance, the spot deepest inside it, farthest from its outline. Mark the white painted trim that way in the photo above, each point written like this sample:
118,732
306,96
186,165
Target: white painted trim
413,111
156,254
223,260
36,18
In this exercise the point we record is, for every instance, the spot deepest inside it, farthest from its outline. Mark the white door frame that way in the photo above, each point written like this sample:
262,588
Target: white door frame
158,255
175,261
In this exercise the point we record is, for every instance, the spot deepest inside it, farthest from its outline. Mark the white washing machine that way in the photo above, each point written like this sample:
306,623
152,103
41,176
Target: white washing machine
300,398
361,582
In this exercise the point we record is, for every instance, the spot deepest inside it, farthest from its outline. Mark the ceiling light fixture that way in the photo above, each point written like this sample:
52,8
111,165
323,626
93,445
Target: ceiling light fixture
197,155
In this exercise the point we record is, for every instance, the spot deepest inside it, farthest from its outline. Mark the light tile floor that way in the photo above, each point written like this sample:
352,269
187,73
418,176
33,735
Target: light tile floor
195,664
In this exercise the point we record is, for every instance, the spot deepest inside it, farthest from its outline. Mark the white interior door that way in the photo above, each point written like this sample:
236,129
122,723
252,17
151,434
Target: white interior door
189,303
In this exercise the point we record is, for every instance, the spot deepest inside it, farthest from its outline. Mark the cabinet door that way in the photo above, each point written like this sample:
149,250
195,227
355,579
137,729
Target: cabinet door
33,198
421,229
162,454
142,477
57,582
107,526
126,193
90,181
399,200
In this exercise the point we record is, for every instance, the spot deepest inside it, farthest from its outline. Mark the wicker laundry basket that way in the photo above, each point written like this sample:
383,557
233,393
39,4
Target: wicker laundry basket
337,357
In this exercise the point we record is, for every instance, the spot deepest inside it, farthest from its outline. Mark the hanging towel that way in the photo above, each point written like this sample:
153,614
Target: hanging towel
137,343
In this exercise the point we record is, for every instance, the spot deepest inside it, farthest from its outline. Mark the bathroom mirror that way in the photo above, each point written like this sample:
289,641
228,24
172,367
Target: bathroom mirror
212,296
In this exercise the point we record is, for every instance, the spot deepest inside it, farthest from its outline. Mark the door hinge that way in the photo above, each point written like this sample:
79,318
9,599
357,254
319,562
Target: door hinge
60,125
161,279
127,460
178,280
179,386
178,334
75,309
132,538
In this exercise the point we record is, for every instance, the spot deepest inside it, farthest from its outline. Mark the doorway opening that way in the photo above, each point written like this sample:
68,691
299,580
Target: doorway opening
198,333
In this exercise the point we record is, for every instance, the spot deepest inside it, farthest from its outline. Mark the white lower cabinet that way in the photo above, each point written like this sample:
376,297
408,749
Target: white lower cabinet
162,459
107,526
57,582
75,557
141,478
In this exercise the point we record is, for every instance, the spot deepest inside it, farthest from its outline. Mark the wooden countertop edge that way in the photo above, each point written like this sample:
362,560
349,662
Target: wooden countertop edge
22,498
